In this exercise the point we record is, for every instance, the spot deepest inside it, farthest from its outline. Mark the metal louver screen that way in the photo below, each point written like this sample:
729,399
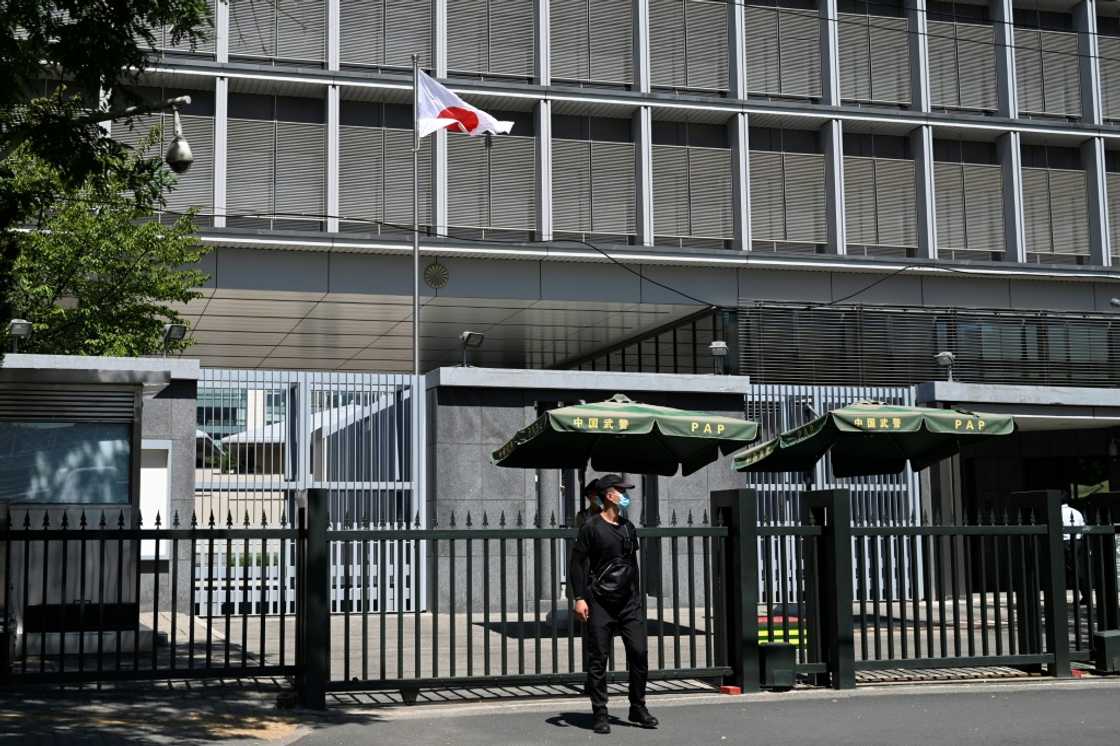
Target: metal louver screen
301,29
962,70
491,36
763,56
1114,212
969,209
613,207
670,191
854,345
251,173
301,169
788,197
800,53
385,32
252,28
879,203
1046,66
33,402
874,59
375,178
710,207
197,188
571,186
1055,210
491,187
688,44
1109,61
592,41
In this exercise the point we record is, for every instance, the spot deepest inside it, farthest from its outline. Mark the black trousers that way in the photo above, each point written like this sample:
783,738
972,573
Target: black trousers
603,625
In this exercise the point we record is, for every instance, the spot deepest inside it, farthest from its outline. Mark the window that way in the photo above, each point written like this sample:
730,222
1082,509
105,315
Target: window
962,64
1055,204
968,189
783,53
688,44
593,187
880,200
491,36
692,185
491,181
1046,64
874,52
592,41
65,463
787,190
384,33
293,30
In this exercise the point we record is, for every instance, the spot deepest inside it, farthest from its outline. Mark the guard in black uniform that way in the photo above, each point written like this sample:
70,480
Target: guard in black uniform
604,575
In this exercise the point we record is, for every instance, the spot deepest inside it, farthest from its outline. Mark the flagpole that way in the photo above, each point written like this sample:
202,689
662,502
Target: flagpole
416,385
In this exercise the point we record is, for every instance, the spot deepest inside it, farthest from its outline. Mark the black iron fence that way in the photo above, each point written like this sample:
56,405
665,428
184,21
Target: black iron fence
94,596
481,600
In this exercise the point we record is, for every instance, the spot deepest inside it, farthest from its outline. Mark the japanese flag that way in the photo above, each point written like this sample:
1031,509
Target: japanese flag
437,107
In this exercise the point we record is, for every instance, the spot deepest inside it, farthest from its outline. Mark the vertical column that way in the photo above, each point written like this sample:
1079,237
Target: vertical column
921,145
736,31
1011,168
832,140
832,511
642,73
1003,18
830,53
919,55
1100,242
543,63
221,126
643,164
439,143
736,587
332,157
544,170
1085,20
221,31
315,626
333,38
741,179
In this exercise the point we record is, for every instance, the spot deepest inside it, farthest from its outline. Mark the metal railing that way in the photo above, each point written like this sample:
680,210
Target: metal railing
83,602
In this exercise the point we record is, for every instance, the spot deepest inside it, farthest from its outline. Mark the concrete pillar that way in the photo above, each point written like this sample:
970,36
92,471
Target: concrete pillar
1100,244
542,72
919,55
221,31
642,72
832,139
221,124
333,38
739,129
1011,167
544,170
830,53
332,158
737,61
1085,20
643,164
921,145
439,143
1003,17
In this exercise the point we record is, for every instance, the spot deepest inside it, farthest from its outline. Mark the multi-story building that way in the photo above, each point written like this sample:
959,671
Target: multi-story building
839,189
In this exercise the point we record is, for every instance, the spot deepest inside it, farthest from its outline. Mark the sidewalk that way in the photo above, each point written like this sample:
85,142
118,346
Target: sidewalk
1039,711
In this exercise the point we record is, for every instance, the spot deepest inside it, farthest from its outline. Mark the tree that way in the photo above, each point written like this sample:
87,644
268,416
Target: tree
84,48
96,273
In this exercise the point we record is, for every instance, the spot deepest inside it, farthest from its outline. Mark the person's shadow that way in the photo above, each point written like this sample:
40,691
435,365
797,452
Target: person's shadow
583,720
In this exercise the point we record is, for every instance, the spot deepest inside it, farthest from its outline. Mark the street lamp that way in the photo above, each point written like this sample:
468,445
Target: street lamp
18,329
468,340
718,348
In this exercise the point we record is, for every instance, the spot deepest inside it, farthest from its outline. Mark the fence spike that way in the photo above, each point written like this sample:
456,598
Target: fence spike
27,520
264,519
502,519
82,520
283,518
229,518
120,519
46,520
157,519
1006,517
520,522
102,522
468,519
552,519
346,519
452,519
65,521
175,520
485,520
416,523
211,519
246,518
704,518
435,519
673,519
536,520
1030,517
690,517
811,520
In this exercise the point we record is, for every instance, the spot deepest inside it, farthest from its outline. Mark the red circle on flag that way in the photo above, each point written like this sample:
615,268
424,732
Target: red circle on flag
467,119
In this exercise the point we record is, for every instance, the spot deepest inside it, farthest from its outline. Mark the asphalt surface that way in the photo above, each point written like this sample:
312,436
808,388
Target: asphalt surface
1034,713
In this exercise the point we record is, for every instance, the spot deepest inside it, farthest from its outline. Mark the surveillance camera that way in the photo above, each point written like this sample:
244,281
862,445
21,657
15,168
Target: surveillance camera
945,359
179,156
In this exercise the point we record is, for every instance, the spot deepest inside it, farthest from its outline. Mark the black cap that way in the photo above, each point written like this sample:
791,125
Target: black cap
604,483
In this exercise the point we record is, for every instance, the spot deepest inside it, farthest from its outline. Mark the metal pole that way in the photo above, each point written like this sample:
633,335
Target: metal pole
416,387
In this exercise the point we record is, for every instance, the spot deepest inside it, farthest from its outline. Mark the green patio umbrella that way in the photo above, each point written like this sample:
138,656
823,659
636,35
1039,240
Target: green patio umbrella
624,436
873,438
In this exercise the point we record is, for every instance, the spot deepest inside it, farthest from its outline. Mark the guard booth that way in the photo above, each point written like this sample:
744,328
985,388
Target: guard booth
85,440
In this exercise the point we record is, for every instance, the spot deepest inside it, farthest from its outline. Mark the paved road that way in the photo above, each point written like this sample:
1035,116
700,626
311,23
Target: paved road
1036,713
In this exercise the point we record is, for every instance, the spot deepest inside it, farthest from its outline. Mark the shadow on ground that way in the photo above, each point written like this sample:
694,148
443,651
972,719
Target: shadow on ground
176,713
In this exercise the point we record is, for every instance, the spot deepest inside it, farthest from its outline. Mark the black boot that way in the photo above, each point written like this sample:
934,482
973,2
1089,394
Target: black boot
601,723
640,715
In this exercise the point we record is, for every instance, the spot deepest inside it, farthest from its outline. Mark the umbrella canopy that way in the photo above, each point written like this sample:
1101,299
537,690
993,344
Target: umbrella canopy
624,436
873,438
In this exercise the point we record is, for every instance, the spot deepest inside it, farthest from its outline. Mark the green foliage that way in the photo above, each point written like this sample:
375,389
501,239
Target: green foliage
97,274
51,147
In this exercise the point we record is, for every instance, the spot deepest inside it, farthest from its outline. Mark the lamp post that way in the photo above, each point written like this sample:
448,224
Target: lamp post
718,348
468,340
19,329
172,333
